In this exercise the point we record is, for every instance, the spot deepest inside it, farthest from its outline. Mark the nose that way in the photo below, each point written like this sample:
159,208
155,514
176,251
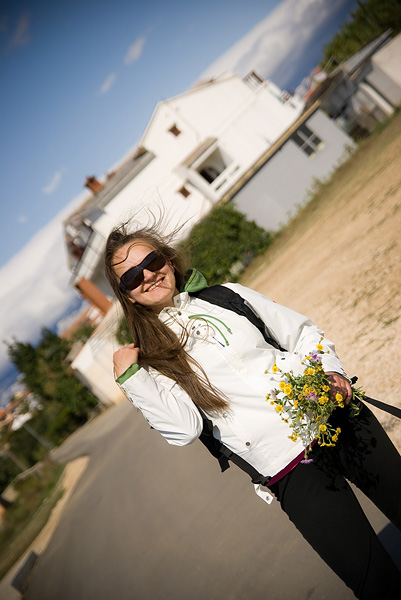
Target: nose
147,275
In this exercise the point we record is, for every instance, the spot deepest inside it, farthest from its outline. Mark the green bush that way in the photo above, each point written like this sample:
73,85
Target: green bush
224,243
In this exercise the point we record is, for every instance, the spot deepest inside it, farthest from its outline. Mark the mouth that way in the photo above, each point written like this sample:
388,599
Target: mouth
155,285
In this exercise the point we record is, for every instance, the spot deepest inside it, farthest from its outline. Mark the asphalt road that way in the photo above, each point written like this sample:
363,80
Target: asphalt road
150,521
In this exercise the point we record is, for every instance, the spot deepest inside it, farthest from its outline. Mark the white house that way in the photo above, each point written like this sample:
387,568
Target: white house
223,138
363,90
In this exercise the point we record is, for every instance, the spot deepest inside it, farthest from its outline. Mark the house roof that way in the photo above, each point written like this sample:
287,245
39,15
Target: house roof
356,60
114,183
199,150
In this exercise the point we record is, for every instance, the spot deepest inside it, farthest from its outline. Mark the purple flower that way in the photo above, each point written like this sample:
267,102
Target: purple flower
306,461
315,356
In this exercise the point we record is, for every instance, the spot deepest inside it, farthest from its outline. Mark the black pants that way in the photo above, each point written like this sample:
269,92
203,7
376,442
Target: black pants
321,504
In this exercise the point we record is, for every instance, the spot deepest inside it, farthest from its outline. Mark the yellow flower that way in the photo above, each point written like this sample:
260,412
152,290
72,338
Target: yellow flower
319,347
272,402
338,430
310,371
290,394
281,385
323,428
287,389
323,399
275,368
307,357
326,388
295,403
335,438
279,408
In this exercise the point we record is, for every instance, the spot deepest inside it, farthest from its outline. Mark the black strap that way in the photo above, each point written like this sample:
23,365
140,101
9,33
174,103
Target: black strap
224,454
227,298
392,410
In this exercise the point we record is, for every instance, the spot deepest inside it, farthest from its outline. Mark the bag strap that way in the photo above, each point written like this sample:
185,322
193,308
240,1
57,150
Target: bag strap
226,298
392,410
224,454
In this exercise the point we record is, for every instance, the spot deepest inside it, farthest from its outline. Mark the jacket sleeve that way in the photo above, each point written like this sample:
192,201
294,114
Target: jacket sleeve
165,406
294,332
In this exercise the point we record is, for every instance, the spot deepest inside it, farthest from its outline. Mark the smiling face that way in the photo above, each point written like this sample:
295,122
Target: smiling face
158,288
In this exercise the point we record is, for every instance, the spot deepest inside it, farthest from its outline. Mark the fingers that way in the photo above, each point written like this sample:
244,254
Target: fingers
340,385
124,357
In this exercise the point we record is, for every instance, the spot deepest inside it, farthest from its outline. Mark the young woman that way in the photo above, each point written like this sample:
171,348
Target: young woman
189,354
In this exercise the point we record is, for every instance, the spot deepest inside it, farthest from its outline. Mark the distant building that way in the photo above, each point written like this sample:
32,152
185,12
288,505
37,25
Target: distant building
227,138
362,91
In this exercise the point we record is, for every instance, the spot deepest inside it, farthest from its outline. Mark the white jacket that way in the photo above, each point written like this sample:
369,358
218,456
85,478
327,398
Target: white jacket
235,362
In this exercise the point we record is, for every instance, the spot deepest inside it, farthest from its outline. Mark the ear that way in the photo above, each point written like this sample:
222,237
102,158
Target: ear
171,265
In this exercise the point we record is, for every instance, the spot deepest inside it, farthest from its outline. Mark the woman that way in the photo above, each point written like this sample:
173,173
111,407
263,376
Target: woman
189,354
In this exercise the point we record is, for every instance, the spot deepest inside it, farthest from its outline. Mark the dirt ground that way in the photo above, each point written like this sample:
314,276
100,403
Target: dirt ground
339,262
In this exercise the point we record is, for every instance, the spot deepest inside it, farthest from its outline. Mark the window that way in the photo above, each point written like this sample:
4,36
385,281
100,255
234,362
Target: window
215,164
184,191
174,130
308,141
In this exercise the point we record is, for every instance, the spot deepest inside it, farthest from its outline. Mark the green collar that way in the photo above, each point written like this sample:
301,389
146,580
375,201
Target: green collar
194,281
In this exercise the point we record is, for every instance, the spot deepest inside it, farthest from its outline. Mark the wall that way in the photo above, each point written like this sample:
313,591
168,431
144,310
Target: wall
386,73
276,191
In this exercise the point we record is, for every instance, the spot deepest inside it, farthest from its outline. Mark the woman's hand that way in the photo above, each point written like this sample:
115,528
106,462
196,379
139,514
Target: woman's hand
124,358
339,385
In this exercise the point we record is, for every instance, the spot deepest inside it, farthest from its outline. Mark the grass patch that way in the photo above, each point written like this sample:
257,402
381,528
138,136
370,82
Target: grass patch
24,520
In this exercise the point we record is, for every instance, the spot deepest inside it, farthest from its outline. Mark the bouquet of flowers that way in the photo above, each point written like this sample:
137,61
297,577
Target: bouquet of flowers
304,402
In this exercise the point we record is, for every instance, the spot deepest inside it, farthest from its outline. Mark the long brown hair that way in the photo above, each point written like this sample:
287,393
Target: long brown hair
160,348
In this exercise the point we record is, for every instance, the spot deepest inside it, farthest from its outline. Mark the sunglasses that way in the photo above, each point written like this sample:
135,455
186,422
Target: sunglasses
132,278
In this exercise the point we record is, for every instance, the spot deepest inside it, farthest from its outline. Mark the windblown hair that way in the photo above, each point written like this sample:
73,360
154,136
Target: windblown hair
160,348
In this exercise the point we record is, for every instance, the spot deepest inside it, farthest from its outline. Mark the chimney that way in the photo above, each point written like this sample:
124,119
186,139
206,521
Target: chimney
93,184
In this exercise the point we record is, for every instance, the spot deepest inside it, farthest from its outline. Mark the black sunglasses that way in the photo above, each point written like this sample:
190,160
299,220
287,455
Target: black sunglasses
134,276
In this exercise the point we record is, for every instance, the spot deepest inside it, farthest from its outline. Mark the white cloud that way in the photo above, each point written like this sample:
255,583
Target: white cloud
21,33
34,288
134,51
275,45
107,84
53,183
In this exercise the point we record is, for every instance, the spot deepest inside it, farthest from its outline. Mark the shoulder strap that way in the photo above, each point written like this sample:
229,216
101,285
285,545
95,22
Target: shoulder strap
392,410
223,296
224,454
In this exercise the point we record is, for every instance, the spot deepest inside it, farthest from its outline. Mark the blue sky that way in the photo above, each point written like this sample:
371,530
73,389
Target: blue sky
79,81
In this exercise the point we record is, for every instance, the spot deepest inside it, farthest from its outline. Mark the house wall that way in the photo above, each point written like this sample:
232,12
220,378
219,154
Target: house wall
283,184
94,363
386,72
245,120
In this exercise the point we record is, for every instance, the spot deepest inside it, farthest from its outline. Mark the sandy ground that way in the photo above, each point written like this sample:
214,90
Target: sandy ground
339,262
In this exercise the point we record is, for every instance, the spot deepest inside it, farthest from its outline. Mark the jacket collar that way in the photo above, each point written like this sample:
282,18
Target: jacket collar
194,281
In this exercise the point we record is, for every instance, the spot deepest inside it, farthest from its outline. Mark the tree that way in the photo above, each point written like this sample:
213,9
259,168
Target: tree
369,20
65,402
